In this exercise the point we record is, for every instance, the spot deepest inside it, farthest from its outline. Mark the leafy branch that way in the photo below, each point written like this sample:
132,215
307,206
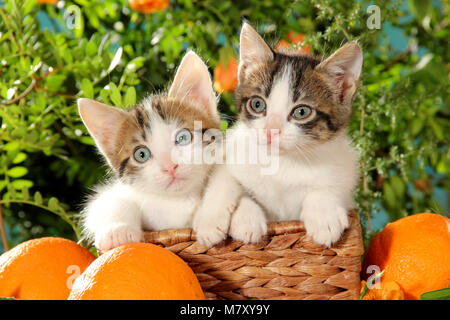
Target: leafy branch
52,205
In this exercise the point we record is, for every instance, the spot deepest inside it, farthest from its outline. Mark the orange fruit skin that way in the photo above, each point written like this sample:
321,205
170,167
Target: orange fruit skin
148,6
389,290
47,1
42,269
414,252
225,80
137,271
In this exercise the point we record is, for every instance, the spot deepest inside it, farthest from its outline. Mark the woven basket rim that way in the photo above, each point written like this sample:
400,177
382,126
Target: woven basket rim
171,237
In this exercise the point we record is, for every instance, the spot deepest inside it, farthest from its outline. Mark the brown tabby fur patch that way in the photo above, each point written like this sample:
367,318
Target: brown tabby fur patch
331,114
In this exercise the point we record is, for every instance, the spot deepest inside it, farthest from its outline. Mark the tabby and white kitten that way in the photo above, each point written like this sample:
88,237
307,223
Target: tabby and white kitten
150,190
303,104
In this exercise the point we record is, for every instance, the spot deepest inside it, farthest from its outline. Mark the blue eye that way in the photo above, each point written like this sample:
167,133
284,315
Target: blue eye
142,154
258,105
301,112
183,137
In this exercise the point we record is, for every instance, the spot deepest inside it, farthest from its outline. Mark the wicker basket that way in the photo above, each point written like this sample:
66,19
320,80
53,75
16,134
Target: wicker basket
286,265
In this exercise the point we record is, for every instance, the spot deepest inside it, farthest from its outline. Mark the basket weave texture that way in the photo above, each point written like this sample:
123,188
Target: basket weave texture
287,264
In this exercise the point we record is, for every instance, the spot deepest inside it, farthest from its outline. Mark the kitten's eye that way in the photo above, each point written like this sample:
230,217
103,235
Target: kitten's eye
183,137
258,105
142,154
301,112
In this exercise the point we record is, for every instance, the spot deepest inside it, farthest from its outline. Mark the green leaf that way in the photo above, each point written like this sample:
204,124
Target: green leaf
28,6
94,251
91,48
441,294
54,82
416,126
389,195
104,95
25,193
19,158
130,97
19,184
38,198
398,186
135,64
8,298
437,129
115,95
11,146
53,204
17,172
87,88
88,141
420,7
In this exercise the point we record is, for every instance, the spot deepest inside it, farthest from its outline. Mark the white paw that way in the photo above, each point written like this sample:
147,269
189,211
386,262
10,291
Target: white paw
116,235
324,222
248,223
211,225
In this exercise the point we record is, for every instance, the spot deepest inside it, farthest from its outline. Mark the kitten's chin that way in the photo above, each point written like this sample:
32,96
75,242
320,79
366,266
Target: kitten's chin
177,185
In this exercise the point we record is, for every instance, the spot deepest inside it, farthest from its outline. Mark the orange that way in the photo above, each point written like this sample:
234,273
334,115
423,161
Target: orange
225,78
388,290
414,252
137,271
148,6
42,269
294,39
47,1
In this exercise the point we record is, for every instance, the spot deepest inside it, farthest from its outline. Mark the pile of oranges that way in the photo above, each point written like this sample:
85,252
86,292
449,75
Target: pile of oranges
59,269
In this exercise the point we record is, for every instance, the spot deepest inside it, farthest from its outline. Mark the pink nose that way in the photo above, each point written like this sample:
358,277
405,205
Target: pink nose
170,169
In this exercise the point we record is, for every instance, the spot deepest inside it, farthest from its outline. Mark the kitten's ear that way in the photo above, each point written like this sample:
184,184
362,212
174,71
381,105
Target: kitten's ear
193,81
344,69
252,48
103,123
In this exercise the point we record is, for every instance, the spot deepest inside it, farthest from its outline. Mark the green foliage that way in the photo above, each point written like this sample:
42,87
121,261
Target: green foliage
441,294
400,122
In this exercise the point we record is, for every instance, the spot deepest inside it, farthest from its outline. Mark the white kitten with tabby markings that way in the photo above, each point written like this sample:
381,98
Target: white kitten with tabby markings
149,190
304,105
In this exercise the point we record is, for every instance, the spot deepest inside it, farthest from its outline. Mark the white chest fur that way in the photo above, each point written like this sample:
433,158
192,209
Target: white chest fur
332,167
160,212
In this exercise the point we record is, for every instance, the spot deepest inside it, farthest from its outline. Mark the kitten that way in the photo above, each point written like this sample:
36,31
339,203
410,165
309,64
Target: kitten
303,105
150,191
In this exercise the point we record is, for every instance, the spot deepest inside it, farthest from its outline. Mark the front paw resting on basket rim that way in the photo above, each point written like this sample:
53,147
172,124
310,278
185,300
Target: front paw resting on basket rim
212,229
324,221
248,223
112,236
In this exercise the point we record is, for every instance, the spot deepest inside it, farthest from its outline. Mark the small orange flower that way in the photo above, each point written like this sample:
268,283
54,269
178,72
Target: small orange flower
225,77
294,39
47,1
389,290
148,6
